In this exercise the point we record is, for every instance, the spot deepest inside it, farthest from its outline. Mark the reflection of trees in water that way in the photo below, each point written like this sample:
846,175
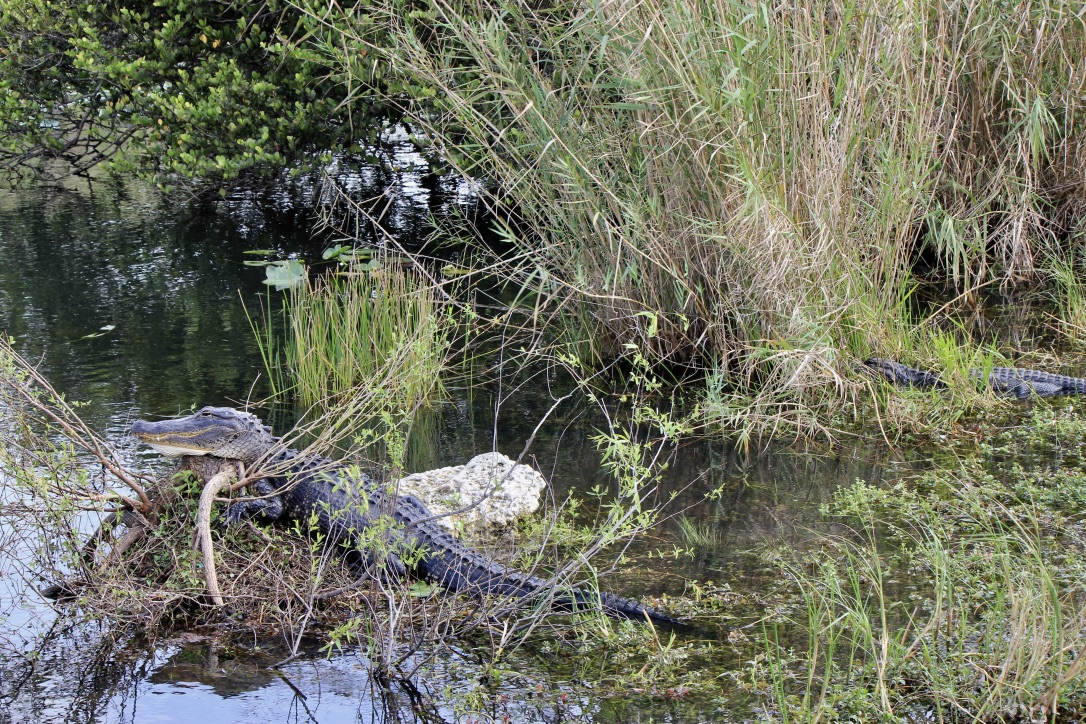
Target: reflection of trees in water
390,193
167,282
78,673
67,674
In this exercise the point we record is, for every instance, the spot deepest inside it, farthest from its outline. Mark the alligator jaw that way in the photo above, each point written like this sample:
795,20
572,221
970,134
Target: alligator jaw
172,437
219,431
173,450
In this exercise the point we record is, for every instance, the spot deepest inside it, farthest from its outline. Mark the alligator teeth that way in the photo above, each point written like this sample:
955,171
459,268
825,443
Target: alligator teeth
173,450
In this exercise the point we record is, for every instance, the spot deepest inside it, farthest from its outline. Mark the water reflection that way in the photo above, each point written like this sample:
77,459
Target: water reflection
84,676
166,282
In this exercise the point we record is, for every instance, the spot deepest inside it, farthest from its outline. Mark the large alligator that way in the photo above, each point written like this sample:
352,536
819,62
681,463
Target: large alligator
345,502
1006,381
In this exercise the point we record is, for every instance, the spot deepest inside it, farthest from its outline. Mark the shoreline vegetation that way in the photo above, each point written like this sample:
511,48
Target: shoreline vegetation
751,196
706,214
749,193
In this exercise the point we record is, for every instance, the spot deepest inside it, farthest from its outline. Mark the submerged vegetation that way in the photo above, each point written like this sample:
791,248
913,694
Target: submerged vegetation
955,596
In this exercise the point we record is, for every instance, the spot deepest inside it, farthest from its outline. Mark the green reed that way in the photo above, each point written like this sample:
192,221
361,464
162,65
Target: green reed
354,329
744,189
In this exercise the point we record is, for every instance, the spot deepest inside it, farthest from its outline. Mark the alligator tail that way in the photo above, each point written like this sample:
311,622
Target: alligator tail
465,571
619,607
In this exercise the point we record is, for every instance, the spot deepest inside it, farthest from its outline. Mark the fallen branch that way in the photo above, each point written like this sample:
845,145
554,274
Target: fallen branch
203,526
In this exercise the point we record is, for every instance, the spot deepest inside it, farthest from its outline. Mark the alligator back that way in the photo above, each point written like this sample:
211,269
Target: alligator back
345,502
1023,383
1008,381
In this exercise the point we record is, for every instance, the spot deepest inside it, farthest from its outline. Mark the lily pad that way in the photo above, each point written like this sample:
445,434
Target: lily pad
337,251
285,274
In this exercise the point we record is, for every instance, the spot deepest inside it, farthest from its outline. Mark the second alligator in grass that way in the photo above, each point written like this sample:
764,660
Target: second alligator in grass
1006,381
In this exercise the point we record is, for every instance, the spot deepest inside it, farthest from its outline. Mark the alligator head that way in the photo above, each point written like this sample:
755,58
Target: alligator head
220,431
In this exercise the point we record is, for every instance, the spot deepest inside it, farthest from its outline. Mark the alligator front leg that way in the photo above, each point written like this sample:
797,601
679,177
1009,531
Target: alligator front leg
268,508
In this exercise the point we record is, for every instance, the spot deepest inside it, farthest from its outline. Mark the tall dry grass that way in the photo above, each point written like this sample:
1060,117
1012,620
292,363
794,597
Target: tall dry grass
745,188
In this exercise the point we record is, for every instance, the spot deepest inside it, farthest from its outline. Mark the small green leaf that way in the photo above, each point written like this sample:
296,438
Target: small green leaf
420,589
653,322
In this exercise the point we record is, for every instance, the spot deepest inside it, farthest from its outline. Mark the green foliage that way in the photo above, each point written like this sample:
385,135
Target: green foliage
372,327
174,91
1069,294
960,591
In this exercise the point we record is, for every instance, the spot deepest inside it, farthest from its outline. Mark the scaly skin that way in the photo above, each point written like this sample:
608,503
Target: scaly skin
345,502
1007,381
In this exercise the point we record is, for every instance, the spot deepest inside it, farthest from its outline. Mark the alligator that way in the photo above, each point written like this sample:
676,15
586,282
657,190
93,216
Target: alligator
1005,381
344,502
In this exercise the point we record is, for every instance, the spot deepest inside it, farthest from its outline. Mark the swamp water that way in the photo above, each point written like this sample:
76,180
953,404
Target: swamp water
137,310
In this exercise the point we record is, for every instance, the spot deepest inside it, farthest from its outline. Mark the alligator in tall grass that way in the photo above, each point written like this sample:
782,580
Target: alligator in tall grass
1005,381
345,502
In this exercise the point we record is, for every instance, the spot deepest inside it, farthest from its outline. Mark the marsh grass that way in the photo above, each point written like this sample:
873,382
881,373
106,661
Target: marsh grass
347,328
1069,295
697,535
267,330
744,190
956,596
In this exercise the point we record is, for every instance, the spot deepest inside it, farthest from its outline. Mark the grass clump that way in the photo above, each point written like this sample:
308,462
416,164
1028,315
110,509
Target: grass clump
959,596
383,326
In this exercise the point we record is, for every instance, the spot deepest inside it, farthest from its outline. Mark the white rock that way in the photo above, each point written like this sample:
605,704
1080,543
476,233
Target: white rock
512,495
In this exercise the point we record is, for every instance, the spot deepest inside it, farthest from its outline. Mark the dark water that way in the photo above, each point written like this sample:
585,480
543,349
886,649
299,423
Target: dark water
170,283
138,309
